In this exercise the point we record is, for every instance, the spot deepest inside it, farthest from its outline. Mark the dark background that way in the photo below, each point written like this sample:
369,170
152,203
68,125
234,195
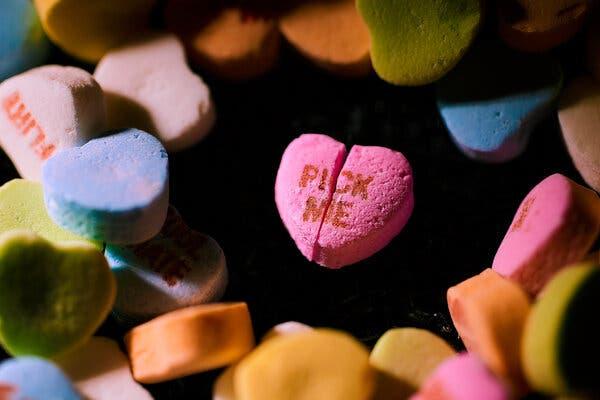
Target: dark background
224,187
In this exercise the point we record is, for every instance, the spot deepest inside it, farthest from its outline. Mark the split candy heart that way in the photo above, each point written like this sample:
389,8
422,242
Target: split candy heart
340,210
177,268
149,86
22,207
462,377
114,189
100,371
24,44
45,110
31,378
53,297
556,224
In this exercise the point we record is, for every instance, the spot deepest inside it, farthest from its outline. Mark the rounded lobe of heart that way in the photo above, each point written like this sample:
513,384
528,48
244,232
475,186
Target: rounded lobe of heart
148,85
100,371
331,34
372,202
556,224
579,116
304,186
462,377
47,109
177,268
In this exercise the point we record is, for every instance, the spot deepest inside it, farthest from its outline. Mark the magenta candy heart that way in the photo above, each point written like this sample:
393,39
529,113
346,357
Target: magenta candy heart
340,210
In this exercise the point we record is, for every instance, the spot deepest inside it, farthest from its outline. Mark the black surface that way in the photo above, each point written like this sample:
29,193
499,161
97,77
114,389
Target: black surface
224,187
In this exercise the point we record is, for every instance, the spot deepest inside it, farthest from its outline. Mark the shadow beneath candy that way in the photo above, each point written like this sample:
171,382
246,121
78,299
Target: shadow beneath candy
390,387
127,114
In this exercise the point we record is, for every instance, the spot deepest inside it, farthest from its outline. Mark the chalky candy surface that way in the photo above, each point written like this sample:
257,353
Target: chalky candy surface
189,341
404,358
87,30
560,346
319,364
100,371
47,109
462,377
148,85
230,42
24,44
555,225
53,297
579,116
539,25
22,207
340,210
31,378
114,189
331,34
494,98
177,268
489,313
224,387
415,42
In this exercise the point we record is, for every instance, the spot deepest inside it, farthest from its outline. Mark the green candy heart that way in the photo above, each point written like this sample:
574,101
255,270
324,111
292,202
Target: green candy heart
53,297
560,342
22,207
416,42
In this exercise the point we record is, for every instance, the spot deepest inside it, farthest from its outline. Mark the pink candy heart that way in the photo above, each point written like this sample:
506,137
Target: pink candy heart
342,208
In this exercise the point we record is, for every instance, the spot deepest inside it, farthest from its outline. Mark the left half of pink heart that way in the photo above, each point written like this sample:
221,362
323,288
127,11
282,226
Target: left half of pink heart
340,207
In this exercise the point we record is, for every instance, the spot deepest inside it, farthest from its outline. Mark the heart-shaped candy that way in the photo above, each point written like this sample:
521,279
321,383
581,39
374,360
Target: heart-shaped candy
556,224
31,378
22,207
148,85
331,34
45,110
87,30
100,371
177,268
227,41
415,42
24,44
114,189
579,116
53,297
340,210
490,119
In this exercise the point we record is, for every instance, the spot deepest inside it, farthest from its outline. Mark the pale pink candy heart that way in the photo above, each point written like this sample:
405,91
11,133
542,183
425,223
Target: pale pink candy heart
556,224
371,203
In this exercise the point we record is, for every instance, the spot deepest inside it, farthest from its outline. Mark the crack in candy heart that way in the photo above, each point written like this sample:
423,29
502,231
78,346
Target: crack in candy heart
340,207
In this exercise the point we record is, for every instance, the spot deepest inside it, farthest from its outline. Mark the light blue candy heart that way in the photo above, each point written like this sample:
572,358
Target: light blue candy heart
31,378
23,44
114,189
494,98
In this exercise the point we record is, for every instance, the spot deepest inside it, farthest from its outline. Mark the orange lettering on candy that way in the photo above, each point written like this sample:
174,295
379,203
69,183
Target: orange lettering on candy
313,211
360,186
350,176
323,183
308,174
24,122
340,214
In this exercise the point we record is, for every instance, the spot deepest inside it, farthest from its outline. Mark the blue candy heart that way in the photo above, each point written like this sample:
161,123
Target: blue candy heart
494,98
24,44
114,188
31,378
